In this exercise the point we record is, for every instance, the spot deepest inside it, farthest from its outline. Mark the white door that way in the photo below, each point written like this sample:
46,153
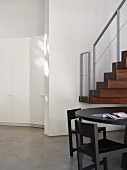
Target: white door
36,81
20,80
5,80
16,82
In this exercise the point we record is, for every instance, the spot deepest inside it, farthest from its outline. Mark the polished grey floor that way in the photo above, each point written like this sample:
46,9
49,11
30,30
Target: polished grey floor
25,148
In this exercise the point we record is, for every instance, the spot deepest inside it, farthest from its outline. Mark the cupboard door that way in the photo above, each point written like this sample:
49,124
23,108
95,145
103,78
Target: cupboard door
36,81
20,80
5,80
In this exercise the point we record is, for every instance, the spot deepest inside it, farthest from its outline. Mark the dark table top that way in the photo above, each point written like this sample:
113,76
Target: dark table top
87,114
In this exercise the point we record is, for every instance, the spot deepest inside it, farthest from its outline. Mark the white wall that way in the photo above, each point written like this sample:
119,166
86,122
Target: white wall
73,27
19,18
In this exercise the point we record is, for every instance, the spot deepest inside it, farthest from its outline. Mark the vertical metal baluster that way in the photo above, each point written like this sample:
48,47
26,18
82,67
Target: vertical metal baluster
118,35
88,72
94,74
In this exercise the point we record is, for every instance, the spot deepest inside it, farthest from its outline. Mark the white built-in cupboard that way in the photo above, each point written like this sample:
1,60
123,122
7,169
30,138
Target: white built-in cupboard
21,82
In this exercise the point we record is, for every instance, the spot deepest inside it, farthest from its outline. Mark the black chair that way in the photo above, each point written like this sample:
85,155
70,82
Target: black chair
71,116
96,149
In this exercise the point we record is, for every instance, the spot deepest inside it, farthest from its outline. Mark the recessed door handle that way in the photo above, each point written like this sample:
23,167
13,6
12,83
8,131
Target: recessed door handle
42,95
10,94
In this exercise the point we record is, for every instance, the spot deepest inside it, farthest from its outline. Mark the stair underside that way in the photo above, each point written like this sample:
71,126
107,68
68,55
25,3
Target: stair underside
109,100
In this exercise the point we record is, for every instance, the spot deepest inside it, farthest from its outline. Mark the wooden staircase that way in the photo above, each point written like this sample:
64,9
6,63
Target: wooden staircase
114,88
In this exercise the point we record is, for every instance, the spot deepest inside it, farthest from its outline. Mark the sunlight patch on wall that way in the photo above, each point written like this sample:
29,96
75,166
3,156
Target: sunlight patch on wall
39,61
46,98
46,68
41,50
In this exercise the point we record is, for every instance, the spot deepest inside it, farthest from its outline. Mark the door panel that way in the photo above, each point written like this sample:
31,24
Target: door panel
20,80
36,80
5,80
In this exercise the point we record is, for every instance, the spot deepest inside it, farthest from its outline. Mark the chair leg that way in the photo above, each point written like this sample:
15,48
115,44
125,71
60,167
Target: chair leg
81,136
71,145
97,163
79,154
105,163
79,158
70,138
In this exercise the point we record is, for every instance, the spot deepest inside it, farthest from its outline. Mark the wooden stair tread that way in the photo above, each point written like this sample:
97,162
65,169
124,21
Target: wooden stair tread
113,92
121,74
117,83
109,100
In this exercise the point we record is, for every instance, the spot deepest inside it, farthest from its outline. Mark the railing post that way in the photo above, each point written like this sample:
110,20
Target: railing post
88,72
94,55
118,35
81,72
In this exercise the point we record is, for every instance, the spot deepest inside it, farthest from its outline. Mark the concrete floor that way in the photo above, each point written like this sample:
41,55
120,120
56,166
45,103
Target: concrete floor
25,148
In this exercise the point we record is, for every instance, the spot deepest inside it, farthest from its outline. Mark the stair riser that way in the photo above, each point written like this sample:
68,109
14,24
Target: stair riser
109,76
124,57
101,85
113,93
84,99
118,66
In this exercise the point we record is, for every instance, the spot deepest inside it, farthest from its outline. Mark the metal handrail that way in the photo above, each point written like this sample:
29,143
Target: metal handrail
117,13
81,72
109,22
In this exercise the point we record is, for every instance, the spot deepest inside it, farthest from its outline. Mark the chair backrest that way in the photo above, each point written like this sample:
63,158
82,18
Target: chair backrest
71,113
71,116
89,130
